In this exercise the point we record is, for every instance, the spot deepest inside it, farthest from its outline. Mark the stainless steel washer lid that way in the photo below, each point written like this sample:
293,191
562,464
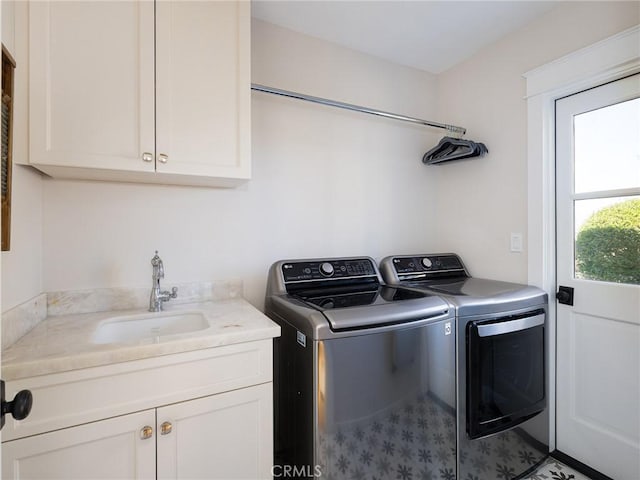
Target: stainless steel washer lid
318,323
389,313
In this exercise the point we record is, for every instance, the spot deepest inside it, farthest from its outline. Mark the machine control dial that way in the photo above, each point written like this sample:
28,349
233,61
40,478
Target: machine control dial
326,269
426,263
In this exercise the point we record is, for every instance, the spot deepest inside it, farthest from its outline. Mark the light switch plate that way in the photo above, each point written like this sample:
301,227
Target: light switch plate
516,242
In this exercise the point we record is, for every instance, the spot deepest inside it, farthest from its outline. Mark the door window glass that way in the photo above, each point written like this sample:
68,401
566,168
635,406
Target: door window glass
606,204
607,148
607,245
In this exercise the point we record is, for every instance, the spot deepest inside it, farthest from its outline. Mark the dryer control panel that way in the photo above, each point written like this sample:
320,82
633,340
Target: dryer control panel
427,263
422,267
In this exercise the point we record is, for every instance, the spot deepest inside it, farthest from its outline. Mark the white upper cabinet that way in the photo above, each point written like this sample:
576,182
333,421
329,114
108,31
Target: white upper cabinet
203,88
91,84
142,92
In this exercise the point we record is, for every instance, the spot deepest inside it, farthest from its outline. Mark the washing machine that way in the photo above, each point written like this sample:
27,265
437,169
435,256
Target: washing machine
502,378
364,374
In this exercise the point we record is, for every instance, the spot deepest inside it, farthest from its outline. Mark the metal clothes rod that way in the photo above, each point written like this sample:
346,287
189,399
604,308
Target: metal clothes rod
355,108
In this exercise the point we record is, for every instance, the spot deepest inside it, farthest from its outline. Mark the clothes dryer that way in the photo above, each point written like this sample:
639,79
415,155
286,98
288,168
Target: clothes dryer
501,363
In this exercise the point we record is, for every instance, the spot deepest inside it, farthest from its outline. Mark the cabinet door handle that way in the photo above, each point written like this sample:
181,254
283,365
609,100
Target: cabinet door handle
165,428
146,432
147,157
163,158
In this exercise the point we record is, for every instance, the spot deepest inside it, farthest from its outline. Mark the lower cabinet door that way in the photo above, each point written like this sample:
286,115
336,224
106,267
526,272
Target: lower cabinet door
107,449
222,437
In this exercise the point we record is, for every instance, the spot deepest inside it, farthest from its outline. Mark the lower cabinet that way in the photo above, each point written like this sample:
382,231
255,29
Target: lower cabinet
223,436
111,448
226,436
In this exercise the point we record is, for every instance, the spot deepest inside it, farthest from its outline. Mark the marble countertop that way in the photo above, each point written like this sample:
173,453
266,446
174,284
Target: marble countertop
64,343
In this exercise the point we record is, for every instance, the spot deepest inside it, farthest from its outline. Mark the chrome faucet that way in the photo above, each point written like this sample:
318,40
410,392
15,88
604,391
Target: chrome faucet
157,295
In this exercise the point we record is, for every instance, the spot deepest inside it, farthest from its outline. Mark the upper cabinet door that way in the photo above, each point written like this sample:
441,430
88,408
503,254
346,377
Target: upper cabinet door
203,89
91,84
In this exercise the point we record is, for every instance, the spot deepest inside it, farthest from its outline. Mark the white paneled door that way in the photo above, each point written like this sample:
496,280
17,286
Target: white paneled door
598,245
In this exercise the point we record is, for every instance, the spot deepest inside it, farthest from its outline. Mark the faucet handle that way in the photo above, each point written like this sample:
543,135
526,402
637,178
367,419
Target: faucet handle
174,292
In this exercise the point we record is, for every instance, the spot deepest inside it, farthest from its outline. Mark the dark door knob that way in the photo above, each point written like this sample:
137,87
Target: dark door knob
565,295
19,407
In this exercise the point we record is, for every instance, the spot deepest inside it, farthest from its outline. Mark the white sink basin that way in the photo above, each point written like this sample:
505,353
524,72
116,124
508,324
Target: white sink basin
149,325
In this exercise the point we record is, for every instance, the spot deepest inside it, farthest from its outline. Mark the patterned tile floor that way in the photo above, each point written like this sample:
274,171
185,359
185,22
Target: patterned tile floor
416,441
409,441
553,469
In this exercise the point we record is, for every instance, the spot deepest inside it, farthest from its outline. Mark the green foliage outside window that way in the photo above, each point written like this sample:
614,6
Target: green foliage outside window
608,244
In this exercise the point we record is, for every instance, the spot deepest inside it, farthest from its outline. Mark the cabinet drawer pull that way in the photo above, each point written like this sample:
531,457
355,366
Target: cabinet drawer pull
147,157
165,428
146,432
163,158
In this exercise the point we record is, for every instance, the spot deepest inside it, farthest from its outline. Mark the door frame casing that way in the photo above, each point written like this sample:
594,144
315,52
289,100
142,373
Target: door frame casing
611,59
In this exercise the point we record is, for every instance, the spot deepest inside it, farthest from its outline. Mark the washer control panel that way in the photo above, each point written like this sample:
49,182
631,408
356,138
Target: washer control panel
427,263
328,269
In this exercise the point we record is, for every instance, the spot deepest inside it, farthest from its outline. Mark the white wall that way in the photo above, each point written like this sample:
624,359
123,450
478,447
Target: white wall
22,265
481,201
325,182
